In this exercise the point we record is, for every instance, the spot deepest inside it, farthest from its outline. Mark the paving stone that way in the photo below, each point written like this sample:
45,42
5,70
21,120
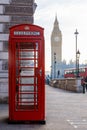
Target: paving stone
65,110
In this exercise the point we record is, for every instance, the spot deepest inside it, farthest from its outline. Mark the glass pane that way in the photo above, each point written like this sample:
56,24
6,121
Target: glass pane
27,72
25,46
26,88
27,80
26,54
28,63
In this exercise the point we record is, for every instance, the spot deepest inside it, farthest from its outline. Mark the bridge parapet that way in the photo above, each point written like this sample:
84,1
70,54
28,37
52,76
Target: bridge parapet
70,84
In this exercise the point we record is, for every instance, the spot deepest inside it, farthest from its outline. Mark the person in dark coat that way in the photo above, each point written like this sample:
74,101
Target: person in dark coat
86,82
83,84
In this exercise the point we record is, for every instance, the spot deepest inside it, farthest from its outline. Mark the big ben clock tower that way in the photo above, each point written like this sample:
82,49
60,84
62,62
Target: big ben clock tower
56,49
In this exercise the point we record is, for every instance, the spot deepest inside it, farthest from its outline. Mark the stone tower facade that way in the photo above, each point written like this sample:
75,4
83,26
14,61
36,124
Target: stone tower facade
12,12
56,49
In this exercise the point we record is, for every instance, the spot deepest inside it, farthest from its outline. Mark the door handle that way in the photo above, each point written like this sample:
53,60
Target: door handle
37,71
40,72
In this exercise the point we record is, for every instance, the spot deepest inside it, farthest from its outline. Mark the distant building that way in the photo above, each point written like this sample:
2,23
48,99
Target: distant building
12,12
56,50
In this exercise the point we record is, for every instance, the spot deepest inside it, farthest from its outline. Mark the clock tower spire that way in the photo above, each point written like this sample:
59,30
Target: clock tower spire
56,48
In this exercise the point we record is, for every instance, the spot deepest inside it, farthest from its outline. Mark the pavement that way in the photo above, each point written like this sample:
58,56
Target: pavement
65,110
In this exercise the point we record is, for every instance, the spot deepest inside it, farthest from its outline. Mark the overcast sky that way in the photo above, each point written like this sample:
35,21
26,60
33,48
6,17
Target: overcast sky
71,14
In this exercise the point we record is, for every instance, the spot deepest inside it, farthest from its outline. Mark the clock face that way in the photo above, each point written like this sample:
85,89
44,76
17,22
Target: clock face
56,39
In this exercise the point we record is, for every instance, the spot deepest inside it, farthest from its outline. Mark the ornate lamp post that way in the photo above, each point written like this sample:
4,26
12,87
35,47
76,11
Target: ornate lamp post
51,72
77,70
54,65
76,33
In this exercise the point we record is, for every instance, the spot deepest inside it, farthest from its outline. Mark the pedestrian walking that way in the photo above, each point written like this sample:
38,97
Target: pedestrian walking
83,84
86,82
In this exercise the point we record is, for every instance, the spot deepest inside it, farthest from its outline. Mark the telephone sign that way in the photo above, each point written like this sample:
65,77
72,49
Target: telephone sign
27,33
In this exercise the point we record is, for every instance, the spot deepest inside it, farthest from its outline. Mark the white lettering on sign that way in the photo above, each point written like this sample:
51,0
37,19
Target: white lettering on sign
27,33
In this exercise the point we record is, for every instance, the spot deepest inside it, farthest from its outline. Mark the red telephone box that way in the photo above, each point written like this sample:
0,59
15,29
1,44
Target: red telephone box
26,73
